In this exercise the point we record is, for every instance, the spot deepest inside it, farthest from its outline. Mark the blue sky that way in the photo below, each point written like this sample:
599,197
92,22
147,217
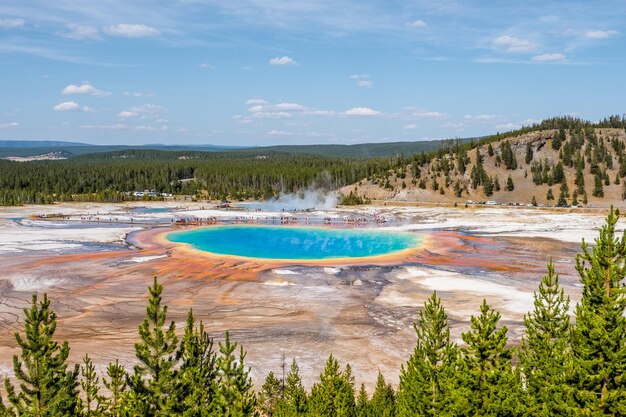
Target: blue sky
261,72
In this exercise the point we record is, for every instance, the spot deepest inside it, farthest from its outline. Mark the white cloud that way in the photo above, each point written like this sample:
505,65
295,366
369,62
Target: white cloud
242,119
84,89
361,111
549,57
117,126
319,113
416,24
206,66
362,81
283,60
256,101
147,108
410,127
272,115
274,111
513,44
66,106
429,114
12,23
508,126
11,125
88,109
127,114
600,34
145,112
126,30
122,126
138,94
481,117
143,128
288,106
451,125
77,31
279,133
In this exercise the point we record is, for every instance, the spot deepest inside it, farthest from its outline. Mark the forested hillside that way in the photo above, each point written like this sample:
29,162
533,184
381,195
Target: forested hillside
561,368
561,161
215,175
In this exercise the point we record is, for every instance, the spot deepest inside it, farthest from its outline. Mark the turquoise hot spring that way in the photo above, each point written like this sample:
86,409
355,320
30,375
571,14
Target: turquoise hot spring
296,243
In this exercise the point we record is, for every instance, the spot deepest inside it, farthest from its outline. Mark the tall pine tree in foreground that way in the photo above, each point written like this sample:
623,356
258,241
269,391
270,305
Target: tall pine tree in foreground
599,335
544,353
491,386
363,406
91,404
234,396
116,384
383,403
294,401
427,380
152,385
333,396
46,387
270,395
195,380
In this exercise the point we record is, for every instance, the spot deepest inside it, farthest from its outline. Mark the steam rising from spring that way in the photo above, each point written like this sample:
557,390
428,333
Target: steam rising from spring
309,198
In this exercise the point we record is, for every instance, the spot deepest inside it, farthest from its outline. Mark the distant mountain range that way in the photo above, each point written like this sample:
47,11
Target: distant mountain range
38,144
21,148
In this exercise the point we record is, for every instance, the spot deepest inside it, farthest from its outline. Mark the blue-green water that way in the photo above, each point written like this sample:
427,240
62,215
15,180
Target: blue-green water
304,243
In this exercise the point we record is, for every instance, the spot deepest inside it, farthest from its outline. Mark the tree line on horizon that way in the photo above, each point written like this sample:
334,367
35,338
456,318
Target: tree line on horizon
561,368
111,176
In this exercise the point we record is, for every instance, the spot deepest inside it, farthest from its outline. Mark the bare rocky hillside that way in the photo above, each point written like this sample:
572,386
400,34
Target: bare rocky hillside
580,165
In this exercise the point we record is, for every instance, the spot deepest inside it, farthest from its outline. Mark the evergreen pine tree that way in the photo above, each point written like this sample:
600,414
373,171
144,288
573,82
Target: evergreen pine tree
363,407
534,201
597,186
458,190
198,370
47,388
558,173
558,139
562,201
549,195
92,402
6,412
488,186
333,395
509,184
116,385
383,403
270,395
492,388
579,180
544,353
294,401
234,396
529,153
599,335
427,381
153,382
